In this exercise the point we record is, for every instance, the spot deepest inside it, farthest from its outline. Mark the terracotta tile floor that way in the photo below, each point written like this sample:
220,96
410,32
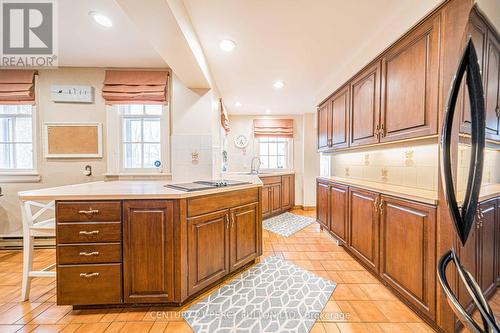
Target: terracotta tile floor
359,304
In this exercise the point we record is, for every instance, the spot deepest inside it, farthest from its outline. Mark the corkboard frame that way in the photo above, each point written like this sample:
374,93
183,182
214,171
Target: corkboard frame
70,149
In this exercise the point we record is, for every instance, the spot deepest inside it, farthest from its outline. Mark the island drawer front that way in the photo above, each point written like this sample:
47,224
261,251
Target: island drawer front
89,211
271,180
214,202
89,232
89,284
94,253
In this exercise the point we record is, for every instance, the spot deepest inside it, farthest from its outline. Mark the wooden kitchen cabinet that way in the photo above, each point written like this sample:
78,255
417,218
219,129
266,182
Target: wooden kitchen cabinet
244,235
365,107
468,258
492,86
208,249
410,77
407,239
148,251
324,126
340,110
338,211
364,226
278,194
287,192
322,200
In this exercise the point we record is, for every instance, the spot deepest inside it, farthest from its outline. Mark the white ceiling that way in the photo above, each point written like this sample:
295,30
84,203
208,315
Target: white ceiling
312,45
84,43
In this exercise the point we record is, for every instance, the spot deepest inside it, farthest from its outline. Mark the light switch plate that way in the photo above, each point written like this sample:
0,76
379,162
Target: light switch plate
72,94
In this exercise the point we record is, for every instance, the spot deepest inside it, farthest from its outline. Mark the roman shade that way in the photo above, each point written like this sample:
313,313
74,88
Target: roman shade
224,120
273,127
17,86
135,87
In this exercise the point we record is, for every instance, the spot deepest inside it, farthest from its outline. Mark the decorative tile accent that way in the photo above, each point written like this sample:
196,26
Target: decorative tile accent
287,224
384,174
273,296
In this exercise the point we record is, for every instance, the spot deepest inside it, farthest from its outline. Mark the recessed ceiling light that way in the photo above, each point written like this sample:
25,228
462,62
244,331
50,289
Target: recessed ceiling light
268,111
237,104
101,19
227,45
278,84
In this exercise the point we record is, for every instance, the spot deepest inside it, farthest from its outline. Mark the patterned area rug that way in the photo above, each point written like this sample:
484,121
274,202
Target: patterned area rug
287,224
273,296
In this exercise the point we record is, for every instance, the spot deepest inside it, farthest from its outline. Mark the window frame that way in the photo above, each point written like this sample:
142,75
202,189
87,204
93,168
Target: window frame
288,157
16,175
114,133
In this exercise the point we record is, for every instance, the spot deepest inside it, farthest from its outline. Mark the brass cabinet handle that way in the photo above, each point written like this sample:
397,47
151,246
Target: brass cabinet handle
377,131
89,275
382,130
93,232
381,207
89,212
88,254
375,205
226,221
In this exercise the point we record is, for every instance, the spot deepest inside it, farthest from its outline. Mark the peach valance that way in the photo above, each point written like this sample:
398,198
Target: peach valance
135,87
17,86
273,127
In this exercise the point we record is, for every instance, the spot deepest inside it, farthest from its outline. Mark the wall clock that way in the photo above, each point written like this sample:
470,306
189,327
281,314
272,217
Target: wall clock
241,141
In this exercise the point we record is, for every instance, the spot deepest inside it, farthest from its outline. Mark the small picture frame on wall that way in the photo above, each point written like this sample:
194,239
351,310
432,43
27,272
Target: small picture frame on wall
72,140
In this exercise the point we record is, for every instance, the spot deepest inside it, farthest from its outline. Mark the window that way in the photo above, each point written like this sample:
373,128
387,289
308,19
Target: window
16,138
274,152
137,138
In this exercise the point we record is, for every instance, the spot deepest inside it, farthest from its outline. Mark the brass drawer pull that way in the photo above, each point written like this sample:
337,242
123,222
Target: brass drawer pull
89,212
88,254
89,275
93,232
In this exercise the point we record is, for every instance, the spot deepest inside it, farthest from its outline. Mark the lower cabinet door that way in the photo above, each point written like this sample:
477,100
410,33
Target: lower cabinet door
275,199
266,201
322,193
364,226
244,235
487,247
339,202
468,255
287,190
407,251
148,256
208,249
89,284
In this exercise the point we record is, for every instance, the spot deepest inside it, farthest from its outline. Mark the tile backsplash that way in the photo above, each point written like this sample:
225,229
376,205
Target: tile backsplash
415,166
491,169
192,157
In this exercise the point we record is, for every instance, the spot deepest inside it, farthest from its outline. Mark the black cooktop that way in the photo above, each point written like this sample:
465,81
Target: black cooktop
205,185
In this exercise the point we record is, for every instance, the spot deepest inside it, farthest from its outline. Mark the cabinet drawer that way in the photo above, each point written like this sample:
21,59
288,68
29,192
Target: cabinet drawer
89,253
215,202
89,232
89,284
89,211
271,180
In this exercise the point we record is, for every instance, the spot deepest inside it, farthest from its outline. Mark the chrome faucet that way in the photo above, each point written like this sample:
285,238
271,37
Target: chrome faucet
255,169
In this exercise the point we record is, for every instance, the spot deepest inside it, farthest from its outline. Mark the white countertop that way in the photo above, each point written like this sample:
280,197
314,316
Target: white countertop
129,189
265,173
424,196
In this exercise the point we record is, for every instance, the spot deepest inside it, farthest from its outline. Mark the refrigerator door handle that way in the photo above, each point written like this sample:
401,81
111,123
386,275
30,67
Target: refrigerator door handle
463,219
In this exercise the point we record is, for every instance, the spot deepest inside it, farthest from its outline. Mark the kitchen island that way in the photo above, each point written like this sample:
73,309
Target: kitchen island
131,242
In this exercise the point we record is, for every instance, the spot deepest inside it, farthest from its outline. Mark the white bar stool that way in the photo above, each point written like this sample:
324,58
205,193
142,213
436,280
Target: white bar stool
31,228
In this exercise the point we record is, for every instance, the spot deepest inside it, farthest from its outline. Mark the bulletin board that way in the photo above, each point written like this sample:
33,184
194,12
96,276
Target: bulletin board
73,140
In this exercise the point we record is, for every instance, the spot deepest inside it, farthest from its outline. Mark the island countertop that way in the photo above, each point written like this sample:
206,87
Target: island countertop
130,189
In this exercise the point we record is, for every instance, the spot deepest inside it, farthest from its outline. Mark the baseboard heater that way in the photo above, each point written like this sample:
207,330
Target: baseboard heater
15,243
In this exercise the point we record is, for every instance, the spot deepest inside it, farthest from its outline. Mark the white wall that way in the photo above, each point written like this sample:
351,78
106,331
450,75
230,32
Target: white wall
311,165
194,127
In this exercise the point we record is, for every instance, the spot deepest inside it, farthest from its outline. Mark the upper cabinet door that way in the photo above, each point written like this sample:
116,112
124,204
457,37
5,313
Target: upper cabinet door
339,110
324,131
492,81
365,105
477,31
410,77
